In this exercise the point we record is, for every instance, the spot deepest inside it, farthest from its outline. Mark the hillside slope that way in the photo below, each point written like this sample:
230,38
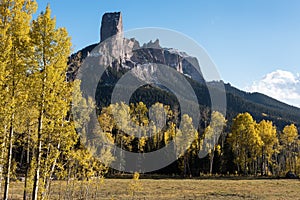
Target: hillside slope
258,105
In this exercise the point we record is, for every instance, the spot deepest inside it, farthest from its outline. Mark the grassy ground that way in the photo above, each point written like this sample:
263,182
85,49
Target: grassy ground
172,189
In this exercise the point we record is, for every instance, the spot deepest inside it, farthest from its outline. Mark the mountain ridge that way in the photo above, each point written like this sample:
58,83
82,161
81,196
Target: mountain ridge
258,99
134,57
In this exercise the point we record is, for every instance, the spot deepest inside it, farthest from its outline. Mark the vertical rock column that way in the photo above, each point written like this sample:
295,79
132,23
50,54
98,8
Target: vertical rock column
111,25
112,39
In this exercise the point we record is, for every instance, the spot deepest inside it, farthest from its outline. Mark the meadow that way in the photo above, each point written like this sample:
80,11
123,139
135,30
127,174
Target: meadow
171,189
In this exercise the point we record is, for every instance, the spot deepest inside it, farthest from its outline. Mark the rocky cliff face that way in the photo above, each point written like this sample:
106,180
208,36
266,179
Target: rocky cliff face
180,61
111,25
119,52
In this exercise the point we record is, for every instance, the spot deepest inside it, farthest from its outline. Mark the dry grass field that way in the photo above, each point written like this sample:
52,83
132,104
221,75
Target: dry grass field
172,189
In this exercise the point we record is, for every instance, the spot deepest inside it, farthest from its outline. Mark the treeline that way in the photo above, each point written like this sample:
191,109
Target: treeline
260,106
248,147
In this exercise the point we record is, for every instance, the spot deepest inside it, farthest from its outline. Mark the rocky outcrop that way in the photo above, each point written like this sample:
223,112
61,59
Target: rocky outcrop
151,44
111,25
119,52
180,61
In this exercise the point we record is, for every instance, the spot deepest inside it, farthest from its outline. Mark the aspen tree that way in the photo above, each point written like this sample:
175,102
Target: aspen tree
245,141
185,136
212,134
52,97
267,132
289,141
15,51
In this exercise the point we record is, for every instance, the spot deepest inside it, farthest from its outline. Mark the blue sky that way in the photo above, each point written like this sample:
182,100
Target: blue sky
246,39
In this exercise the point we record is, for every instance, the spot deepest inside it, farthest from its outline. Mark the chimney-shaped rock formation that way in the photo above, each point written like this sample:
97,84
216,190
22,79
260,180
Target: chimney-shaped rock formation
111,25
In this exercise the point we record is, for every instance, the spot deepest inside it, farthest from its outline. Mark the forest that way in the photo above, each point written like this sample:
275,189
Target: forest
40,141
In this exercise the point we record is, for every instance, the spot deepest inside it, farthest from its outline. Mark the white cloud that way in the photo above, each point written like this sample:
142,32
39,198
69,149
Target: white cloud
281,85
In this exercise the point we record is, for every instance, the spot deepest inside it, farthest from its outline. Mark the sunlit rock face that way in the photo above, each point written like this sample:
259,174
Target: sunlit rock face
116,51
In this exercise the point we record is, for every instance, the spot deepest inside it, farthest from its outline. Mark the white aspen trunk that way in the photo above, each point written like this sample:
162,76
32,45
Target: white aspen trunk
9,158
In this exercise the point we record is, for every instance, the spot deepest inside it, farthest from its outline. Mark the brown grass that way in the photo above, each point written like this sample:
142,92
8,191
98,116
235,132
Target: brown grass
173,189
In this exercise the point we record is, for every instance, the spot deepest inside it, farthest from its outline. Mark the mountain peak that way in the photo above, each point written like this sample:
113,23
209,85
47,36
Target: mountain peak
154,45
111,25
